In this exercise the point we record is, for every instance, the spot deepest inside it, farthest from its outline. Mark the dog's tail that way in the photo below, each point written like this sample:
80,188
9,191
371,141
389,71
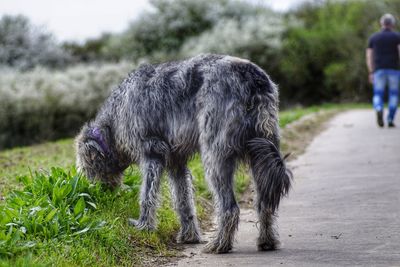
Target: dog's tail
272,178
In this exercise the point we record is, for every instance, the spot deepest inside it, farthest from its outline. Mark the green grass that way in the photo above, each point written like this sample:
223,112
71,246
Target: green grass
113,244
52,216
59,218
56,206
293,114
19,161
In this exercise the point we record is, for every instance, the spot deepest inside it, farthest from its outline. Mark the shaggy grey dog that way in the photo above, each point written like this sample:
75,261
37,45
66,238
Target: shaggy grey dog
224,107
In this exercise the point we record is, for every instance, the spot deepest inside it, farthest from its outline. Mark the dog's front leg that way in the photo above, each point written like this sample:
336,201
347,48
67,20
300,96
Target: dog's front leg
182,193
152,170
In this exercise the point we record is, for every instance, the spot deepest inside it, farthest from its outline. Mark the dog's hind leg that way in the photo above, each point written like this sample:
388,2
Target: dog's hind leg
268,238
219,174
152,169
182,192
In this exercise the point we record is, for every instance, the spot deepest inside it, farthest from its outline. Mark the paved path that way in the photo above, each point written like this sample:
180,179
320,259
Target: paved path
344,209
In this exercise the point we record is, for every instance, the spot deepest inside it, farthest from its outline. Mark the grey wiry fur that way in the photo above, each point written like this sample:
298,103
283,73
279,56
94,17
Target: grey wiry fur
159,116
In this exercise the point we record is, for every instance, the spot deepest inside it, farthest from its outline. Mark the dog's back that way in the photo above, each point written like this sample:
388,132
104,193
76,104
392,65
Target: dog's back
184,102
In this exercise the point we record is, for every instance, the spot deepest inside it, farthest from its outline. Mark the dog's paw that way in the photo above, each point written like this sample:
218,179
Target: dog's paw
268,245
215,247
140,225
188,238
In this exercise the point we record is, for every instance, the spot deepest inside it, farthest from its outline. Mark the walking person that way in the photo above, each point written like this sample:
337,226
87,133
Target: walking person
383,66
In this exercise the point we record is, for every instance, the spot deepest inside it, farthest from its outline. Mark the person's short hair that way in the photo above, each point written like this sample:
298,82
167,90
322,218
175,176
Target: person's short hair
388,20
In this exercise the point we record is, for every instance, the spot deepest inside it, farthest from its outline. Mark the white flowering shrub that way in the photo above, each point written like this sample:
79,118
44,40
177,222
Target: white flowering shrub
25,46
256,37
159,33
42,104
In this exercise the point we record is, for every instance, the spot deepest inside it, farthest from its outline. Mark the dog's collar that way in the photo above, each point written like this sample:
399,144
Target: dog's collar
95,134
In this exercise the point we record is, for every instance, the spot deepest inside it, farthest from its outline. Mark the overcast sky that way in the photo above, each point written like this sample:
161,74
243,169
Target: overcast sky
78,20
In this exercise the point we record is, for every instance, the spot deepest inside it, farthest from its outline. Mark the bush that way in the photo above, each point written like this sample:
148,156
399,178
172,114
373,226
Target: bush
158,35
256,37
25,46
44,105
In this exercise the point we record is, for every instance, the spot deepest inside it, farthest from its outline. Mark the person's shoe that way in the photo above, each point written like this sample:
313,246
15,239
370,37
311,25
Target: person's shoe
391,124
379,117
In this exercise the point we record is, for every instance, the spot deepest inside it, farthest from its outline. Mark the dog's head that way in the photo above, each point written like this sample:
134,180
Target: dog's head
96,156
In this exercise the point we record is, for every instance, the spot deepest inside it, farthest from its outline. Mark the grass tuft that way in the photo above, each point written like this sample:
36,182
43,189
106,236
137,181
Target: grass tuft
60,218
56,206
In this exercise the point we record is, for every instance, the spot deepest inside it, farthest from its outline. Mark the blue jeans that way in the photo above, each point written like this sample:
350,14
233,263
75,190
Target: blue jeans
383,78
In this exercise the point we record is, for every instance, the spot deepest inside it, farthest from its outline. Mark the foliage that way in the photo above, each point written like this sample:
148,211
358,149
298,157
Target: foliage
52,207
256,37
161,30
59,218
159,34
324,56
92,50
43,104
24,46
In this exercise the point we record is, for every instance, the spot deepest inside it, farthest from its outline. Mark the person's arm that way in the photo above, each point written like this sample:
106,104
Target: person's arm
398,48
370,63
370,59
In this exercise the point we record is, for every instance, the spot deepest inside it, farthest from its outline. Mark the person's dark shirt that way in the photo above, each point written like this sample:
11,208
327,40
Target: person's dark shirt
385,49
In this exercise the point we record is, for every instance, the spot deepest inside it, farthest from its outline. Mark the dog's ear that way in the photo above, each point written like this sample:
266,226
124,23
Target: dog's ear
96,141
94,150
87,146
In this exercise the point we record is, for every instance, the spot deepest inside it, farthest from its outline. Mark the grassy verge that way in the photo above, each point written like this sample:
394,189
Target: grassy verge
55,217
300,125
288,116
